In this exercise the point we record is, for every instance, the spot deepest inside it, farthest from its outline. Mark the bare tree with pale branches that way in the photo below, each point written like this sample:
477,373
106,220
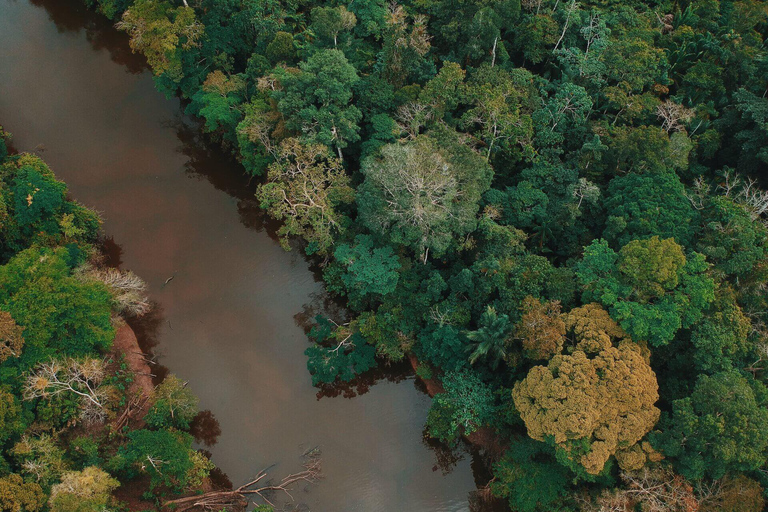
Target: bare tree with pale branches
80,377
745,192
653,490
128,289
673,115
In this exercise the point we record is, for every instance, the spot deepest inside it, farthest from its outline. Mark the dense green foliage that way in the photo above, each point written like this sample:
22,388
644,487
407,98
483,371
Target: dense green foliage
549,203
62,393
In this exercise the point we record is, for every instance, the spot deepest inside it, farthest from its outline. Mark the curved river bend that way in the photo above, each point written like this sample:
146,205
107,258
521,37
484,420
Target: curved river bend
230,322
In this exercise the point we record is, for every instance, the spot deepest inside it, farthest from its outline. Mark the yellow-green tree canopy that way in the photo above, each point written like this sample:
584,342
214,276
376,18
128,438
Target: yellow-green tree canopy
88,490
161,32
597,401
17,495
541,328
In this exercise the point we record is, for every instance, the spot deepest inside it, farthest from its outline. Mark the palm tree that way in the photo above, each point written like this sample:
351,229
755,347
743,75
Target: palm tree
490,340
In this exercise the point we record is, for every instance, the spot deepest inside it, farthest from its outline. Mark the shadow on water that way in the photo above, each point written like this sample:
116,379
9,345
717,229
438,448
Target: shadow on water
363,383
147,329
205,428
112,252
206,160
99,31
446,457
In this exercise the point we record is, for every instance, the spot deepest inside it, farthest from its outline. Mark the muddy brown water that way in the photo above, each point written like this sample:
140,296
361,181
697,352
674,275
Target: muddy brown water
231,320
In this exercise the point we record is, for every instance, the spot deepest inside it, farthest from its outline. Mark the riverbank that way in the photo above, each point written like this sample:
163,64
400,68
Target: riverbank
484,438
125,347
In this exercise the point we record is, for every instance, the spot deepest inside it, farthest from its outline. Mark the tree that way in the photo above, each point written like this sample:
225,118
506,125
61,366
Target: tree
218,102
405,46
585,66
656,489
173,405
651,267
645,205
38,201
423,194
34,208
387,329
368,270
40,458
722,427
501,109
317,101
734,494
19,496
650,287
305,187
128,289
5,138
11,419
58,312
594,403
731,239
327,22
444,346
490,340
442,94
534,35
162,454
466,405
281,49
564,113
721,339
541,328
88,490
337,354
161,32
82,378
529,477
753,118
255,135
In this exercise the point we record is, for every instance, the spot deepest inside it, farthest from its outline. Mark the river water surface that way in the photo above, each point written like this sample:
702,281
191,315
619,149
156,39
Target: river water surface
230,321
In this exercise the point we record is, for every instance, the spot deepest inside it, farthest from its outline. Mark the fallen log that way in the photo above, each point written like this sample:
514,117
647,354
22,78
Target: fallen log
237,499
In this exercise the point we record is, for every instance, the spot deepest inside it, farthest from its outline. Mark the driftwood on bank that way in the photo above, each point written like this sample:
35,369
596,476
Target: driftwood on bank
133,411
237,499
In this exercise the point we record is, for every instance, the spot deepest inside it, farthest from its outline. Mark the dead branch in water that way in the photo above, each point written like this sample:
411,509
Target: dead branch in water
238,498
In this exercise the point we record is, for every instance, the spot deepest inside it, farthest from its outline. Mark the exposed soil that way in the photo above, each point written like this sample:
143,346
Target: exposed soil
126,347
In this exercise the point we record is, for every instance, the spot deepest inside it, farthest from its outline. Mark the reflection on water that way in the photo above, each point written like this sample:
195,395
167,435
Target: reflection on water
204,162
361,385
232,320
147,329
205,428
74,17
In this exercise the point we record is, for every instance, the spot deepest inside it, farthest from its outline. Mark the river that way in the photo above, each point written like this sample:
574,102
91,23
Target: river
231,320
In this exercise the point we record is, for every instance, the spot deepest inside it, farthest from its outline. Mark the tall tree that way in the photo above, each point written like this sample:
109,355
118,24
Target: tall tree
305,188
423,194
650,286
721,427
317,101
596,402
490,341
162,32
